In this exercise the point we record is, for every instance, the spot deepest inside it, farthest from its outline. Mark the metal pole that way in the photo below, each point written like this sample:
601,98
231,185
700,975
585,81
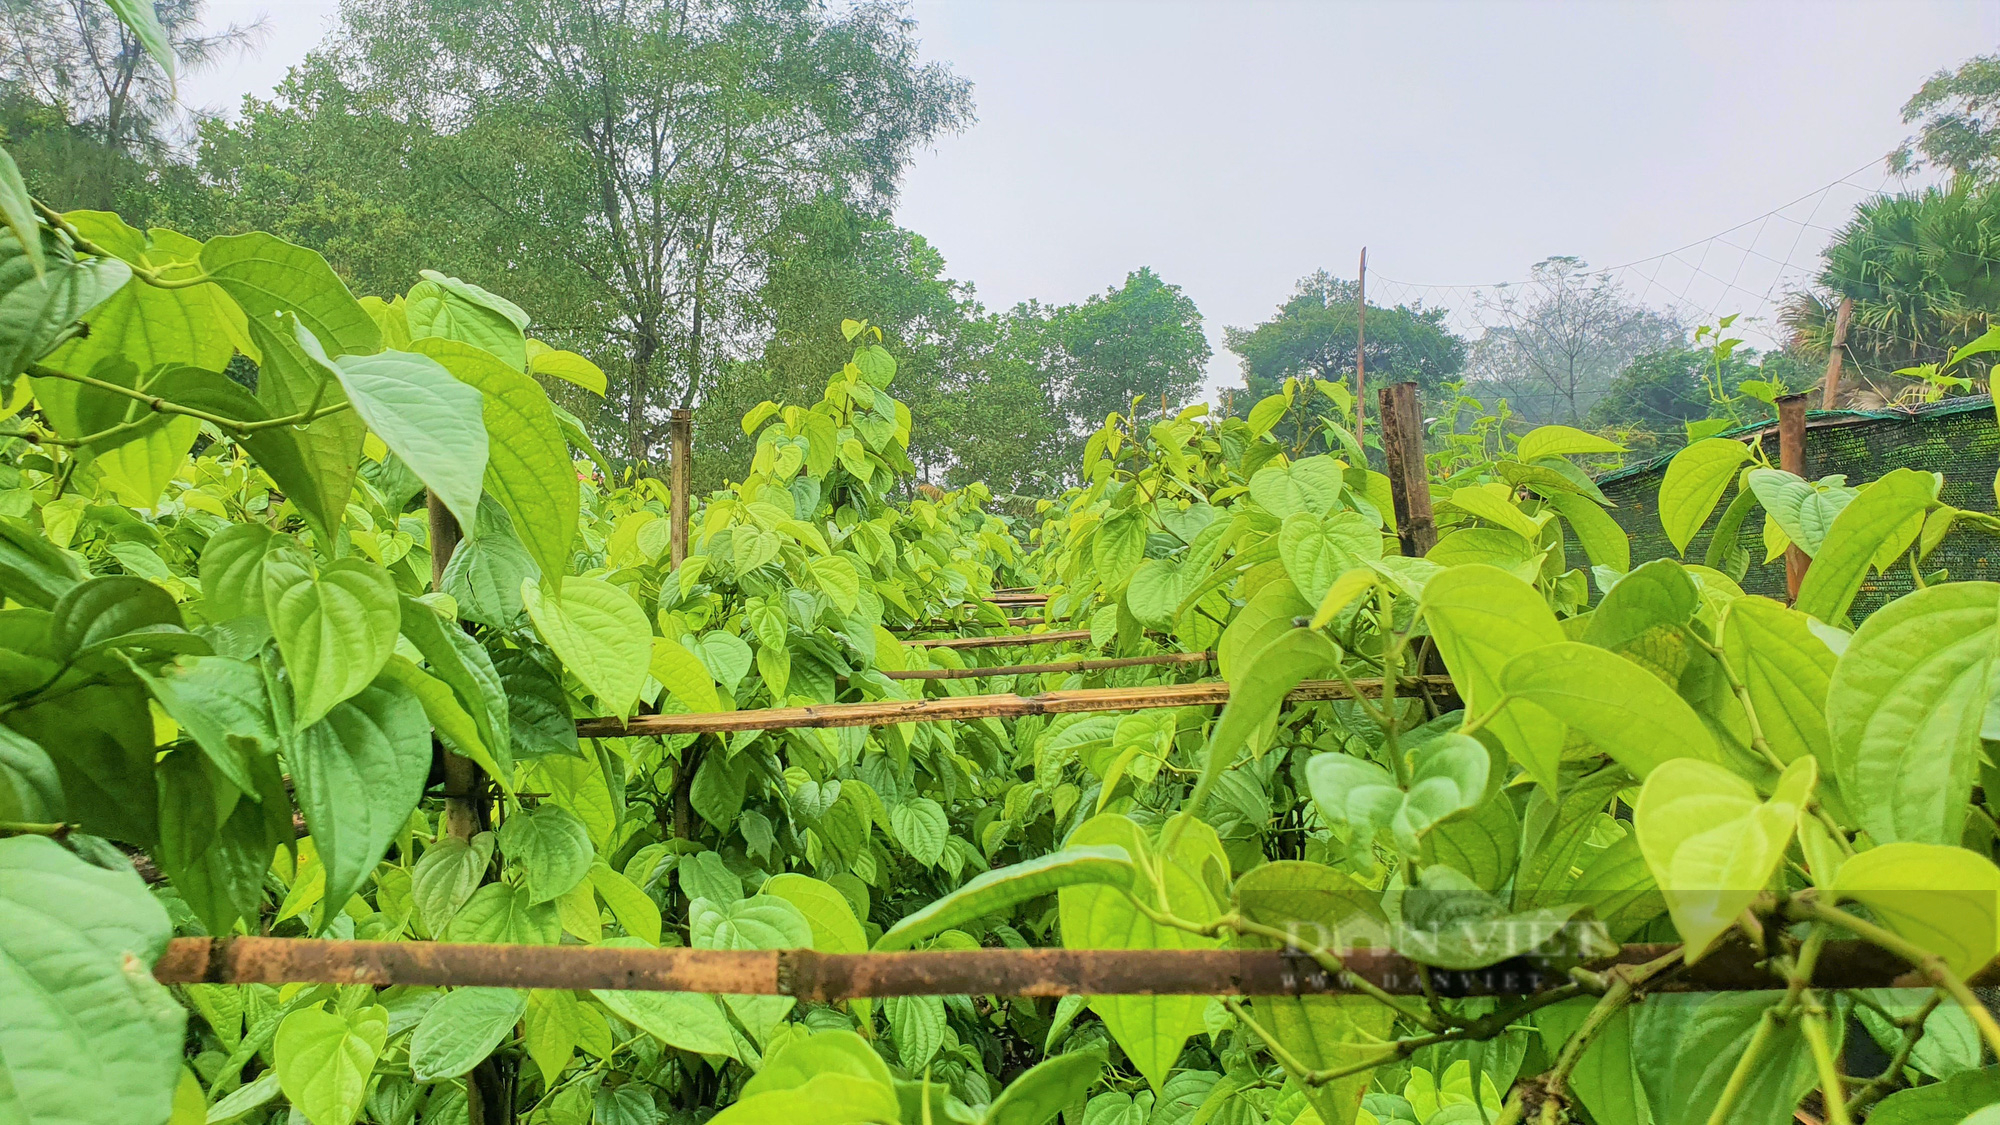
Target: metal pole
680,482
1830,398
1792,459
1360,356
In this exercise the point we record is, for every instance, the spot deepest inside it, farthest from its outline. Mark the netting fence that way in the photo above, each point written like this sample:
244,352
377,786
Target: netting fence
1957,437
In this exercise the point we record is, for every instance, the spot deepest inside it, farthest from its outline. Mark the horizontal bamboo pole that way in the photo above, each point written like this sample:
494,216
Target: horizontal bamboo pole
888,712
1002,972
1058,666
1016,622
1007,641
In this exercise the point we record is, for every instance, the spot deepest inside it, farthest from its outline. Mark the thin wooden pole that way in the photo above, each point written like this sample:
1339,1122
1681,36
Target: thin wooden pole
1361,355
462,780
1409,479
680,482
464,815
814,976
1830,398
1792,459
1057,666
1007,641
958,709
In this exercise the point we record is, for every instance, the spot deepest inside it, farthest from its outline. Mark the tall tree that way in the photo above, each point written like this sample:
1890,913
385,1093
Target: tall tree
1313,335
87,113
1957,114
1556,342
618,164
1923,270
1141,338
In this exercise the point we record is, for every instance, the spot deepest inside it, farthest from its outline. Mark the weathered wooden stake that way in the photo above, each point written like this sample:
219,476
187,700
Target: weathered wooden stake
1830,399
461,777
1792,459
680,481
1409,479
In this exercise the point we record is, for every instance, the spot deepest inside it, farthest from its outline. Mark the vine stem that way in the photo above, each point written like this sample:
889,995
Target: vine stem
55,830
1625,983
149,276
1878,1087
1930,964
1758,742
164,406
1812,1022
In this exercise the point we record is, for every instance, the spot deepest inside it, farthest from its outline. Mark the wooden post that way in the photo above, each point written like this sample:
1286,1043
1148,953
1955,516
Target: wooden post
1409,481
680,482
464,817
1830,399
1361,358
1792,459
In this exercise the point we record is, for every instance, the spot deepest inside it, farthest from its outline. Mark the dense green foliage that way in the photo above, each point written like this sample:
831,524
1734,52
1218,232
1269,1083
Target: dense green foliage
229,657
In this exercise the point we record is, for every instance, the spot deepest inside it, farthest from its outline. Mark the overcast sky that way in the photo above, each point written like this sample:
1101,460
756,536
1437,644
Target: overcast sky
1237,146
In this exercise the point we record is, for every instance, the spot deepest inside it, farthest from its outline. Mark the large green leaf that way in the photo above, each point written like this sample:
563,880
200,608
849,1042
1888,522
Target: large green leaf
553,848
38,306
1787,670
1044,1090
1694,482
324,1060
687,1020
426,417
30,788
336,630
1685,1047
1255,695
835,929
1492,505
1310,485
446,877
600,634
142,18
1904,708
108,611
89,1038
1620,707
1600,536
463,1028
1325,1032
1965,1099
222,703
1944,899
458,311
758,922
499,914
144,323
1606,1077
528,466
290,382
1151,1029
358,772
463,663
486,571
269,276
1886,516
1317,549
17,210
1482,618
1562,441
995,892
920,825
100,737
1712,843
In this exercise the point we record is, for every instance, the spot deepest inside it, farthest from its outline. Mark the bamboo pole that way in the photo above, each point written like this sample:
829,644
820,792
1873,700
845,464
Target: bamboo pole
462,781
1792,459
1001,642
808,975
680,482
1360,355
889,712
1011,622
1409,480
1057,666
1830,396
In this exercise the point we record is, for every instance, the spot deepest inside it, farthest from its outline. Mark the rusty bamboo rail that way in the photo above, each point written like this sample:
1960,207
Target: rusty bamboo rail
919,626
1057,666
1007,641
889,712
1006,972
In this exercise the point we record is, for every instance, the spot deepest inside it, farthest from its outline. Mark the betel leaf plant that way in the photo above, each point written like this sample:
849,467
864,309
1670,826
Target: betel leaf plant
234,681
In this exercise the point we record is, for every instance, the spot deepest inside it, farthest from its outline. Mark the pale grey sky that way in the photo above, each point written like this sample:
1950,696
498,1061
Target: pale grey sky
1236,146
